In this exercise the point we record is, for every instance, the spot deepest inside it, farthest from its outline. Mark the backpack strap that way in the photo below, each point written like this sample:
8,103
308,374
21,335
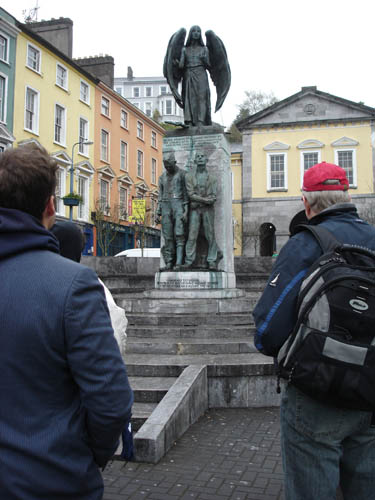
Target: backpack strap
325,238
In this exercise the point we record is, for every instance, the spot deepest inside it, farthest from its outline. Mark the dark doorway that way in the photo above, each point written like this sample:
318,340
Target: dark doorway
267,239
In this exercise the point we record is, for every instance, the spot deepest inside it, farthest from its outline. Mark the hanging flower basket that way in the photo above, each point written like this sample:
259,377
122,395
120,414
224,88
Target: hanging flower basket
72,200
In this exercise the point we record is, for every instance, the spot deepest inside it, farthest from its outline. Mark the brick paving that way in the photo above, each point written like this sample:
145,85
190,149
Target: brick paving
228,454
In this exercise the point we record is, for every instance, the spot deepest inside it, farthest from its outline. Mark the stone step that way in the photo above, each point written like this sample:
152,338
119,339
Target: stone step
203,332
186,320
164,365
150,389
188,306
190,346
140,413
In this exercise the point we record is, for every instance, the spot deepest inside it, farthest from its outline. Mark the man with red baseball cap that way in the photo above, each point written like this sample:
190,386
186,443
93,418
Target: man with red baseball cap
322,446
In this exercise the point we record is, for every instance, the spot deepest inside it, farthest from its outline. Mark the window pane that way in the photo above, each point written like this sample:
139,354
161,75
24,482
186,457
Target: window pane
83,136
104,145
82,183
140,164
30,117
59,124
123,155
345,160
277,171
2,99
105,106
309,159
124,119
33,58
84,92
3,48
61,76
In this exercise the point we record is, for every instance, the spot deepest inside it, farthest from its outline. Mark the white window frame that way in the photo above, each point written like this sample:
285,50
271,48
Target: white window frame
302,159
137,105
35,128
6,52
60,207
105,111
166,102
87,100
124,123
151,90
148,105
83,207
123,158
65,83
4,99
118,90
134,92
154,169
123,208
354,160
140,164
269,155
62,140
104,147
83,149
154,136
140,130
107,198
34,47
162,87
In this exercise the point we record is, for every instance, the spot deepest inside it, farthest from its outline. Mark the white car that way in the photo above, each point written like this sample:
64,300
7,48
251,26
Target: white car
137,252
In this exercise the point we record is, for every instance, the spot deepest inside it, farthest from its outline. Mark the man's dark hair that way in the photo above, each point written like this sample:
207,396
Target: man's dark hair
27,179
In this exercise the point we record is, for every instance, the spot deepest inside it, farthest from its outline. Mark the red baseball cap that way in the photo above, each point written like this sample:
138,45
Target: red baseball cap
325,177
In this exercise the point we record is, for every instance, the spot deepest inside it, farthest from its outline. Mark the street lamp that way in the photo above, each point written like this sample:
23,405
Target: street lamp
83,143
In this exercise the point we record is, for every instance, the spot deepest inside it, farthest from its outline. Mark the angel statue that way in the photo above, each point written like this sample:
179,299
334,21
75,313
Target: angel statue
190,63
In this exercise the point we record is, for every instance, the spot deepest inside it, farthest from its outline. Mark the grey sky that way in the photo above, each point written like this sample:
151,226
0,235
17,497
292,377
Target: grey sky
271,45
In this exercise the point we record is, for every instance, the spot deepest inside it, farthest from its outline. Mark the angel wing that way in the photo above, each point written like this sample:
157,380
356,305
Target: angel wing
219,67
171,71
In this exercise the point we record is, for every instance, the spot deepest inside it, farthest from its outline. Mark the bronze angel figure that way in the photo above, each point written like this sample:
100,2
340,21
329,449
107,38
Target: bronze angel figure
189,63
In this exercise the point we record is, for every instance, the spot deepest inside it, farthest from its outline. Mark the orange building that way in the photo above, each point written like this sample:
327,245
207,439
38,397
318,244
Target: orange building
128,162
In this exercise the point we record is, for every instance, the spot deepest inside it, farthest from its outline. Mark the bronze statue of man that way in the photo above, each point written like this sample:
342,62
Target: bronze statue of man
172,209
201,187
189,64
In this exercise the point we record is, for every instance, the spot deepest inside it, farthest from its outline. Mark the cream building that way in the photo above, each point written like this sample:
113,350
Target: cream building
282,141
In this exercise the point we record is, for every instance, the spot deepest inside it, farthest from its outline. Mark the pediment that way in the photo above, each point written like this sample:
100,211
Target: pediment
62,157
308,105
29,141
126,179
142,186
85,166
107,171
276,146
344,141
310,144
5,135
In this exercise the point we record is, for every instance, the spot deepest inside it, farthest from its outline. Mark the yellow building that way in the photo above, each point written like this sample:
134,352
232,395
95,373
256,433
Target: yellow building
236,167
282,141
55,106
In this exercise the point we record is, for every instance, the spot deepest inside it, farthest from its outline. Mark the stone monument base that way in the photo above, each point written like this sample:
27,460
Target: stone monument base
195,280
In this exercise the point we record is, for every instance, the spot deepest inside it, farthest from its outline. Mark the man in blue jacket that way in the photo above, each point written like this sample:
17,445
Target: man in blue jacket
64,391
322,446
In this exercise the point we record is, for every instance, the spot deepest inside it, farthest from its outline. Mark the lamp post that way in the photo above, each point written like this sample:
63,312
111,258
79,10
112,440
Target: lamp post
83,143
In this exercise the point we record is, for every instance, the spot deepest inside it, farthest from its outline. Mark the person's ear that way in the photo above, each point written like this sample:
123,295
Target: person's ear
49,213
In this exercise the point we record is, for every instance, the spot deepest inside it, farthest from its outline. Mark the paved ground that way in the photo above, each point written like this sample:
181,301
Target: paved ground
228,454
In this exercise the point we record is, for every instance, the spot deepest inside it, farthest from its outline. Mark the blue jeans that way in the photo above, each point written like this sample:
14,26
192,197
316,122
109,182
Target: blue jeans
323,447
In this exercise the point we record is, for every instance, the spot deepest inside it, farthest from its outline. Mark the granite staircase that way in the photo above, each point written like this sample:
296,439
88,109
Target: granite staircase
185,355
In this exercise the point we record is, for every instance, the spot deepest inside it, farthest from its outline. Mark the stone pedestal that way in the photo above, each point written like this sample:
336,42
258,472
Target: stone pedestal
214,145
195,280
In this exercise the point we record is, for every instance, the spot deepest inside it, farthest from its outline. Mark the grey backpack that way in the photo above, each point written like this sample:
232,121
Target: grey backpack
330,355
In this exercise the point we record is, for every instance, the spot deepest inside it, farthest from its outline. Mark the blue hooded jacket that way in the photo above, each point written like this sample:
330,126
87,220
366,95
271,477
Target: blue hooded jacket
64,391
276,311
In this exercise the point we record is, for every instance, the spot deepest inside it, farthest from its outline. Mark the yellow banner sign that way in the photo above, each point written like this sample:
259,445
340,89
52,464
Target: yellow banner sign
138,209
